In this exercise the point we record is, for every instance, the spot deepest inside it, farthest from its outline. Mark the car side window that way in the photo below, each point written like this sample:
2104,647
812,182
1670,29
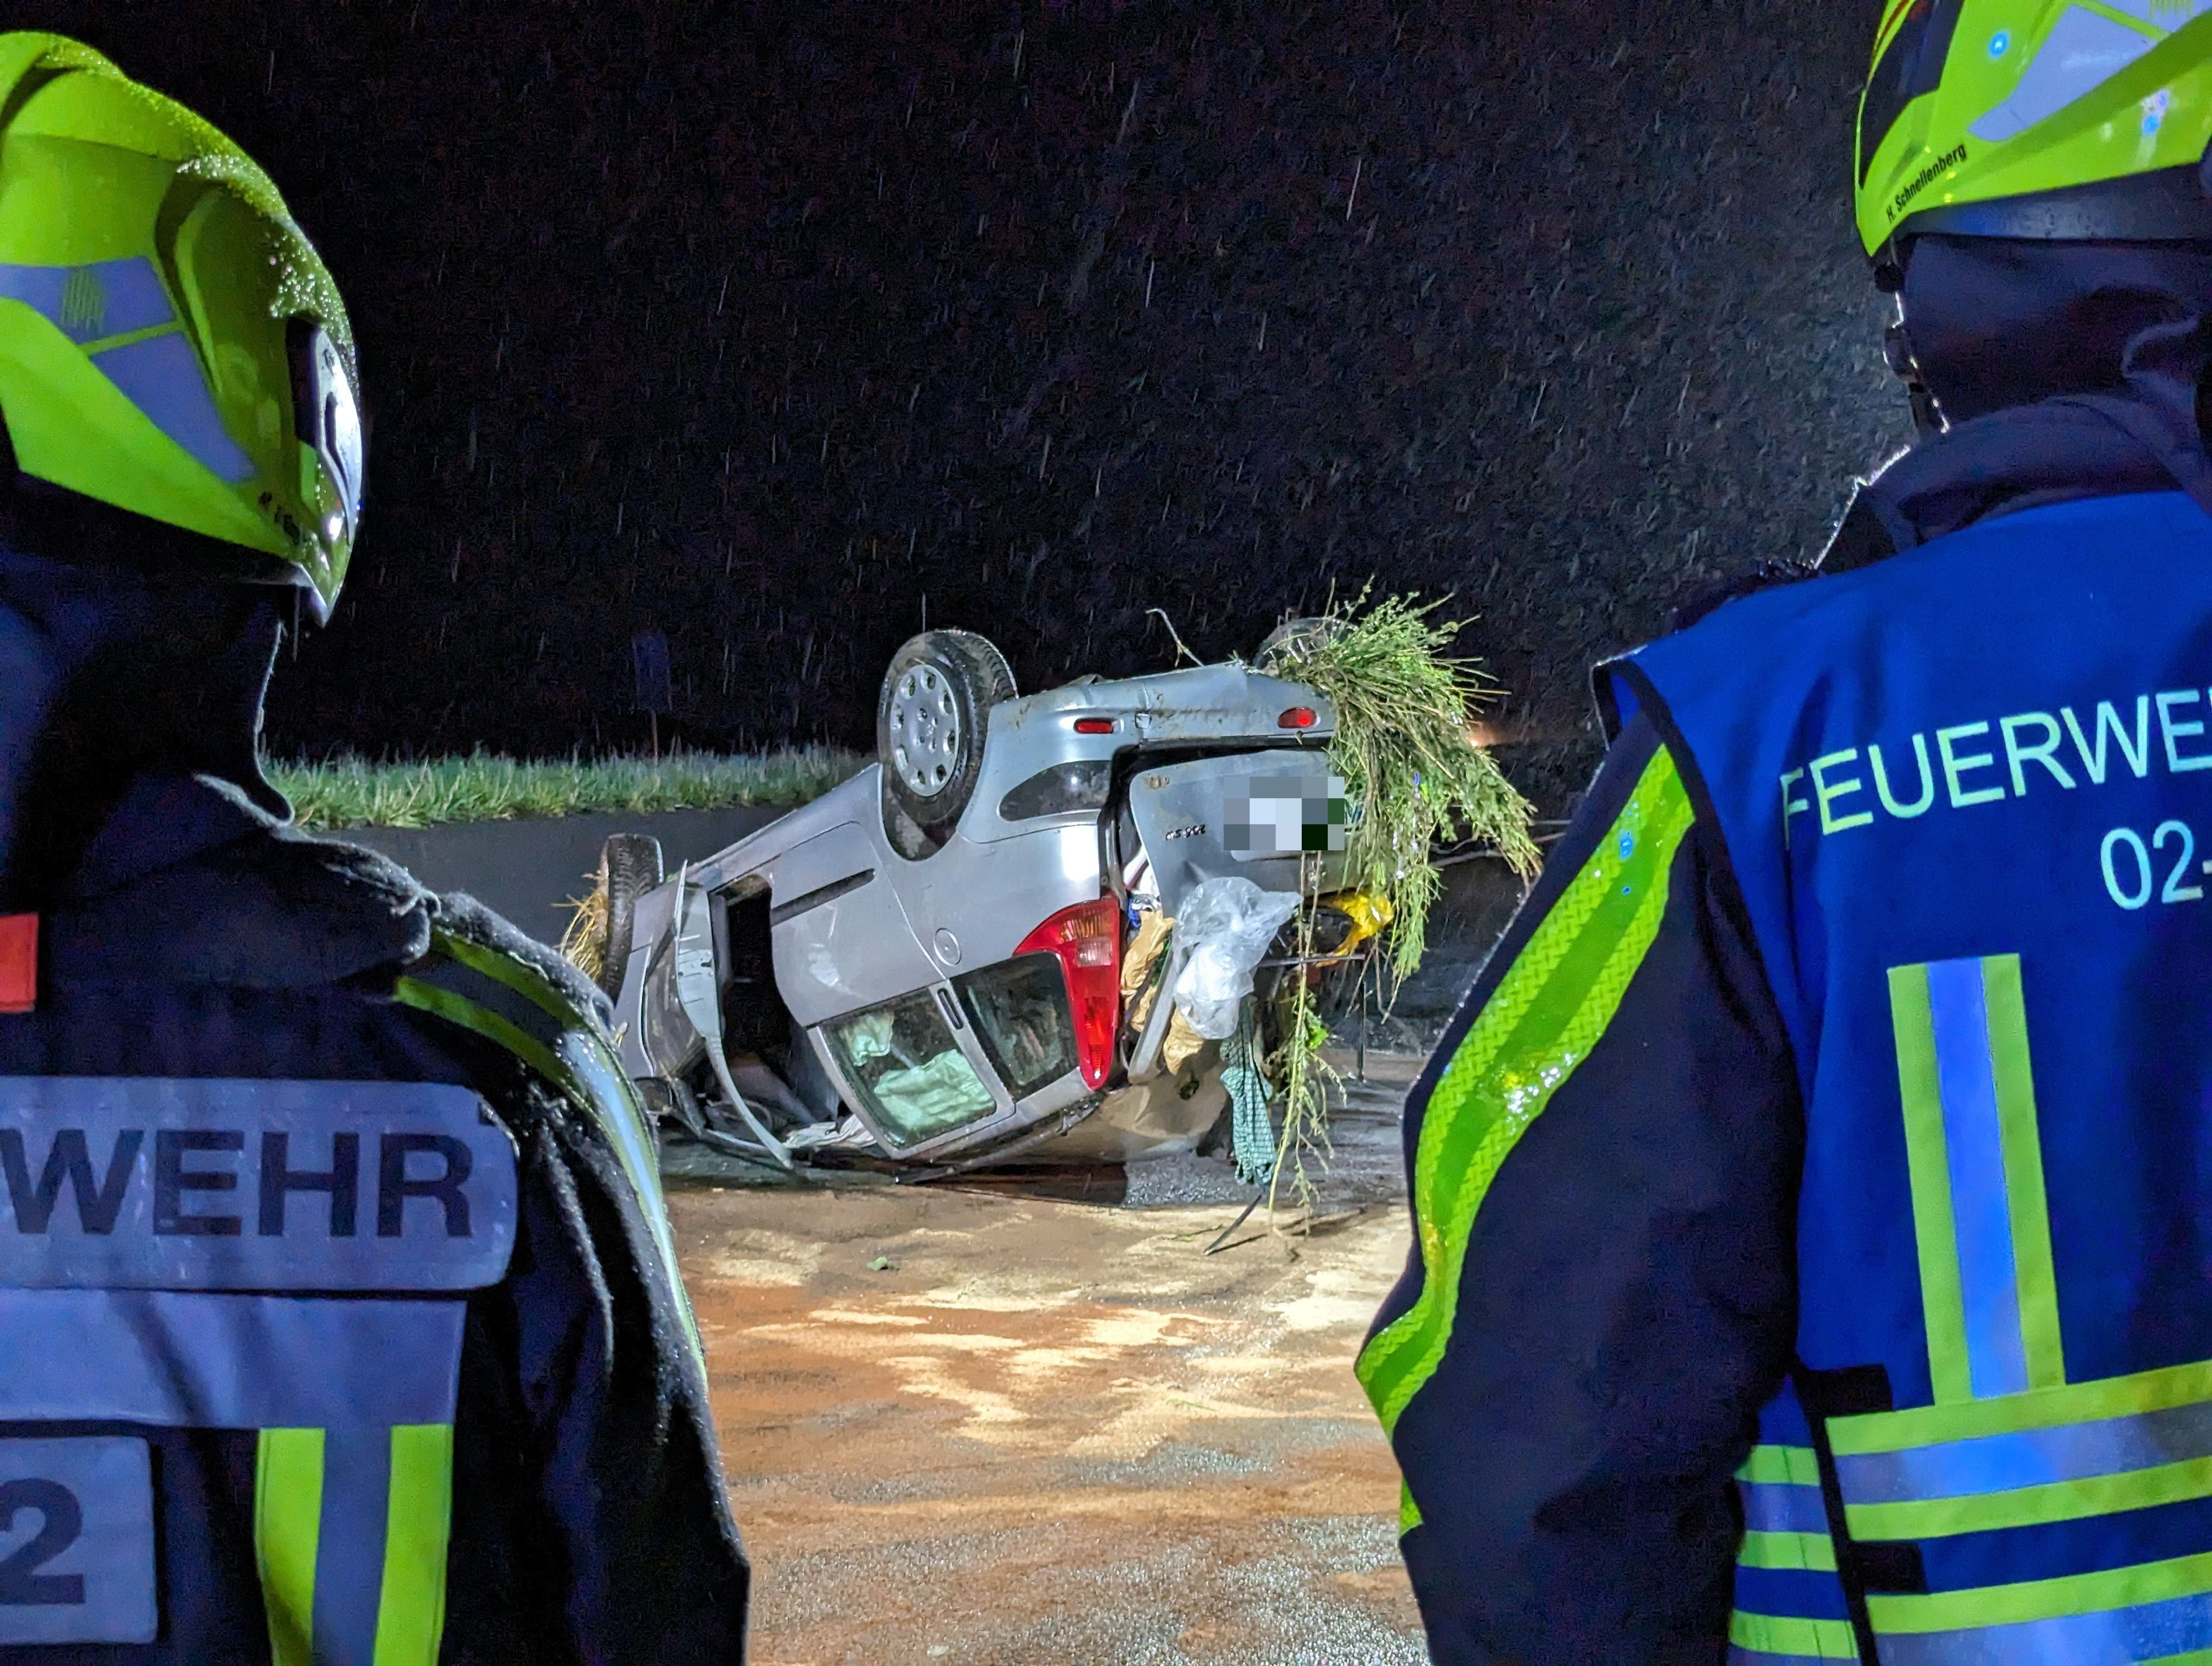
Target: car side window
902,1059
1020,1007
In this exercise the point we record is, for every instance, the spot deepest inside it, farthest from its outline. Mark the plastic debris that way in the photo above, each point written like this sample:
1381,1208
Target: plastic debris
1226,925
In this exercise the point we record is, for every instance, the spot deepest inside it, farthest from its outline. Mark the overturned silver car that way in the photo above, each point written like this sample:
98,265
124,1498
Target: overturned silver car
926,965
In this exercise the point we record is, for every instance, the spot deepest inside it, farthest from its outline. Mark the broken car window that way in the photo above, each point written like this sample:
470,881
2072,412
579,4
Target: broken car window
1020,1010
903,1060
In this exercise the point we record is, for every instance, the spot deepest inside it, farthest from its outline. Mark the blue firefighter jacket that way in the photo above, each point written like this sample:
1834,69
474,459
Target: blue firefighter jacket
339,1322
1812,1216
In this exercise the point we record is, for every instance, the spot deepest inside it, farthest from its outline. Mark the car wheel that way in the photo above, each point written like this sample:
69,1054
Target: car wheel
630,867
936,699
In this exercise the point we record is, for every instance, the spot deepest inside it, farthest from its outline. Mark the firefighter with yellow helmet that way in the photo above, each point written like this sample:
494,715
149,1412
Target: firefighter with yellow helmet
339,1317
1813,1202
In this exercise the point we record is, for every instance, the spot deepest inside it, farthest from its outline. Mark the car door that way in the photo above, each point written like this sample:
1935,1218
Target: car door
840,936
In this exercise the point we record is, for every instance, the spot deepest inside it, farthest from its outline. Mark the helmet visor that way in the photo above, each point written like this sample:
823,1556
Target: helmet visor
328,421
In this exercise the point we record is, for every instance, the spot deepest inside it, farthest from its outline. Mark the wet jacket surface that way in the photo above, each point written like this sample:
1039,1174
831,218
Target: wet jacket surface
197,938
1684,1327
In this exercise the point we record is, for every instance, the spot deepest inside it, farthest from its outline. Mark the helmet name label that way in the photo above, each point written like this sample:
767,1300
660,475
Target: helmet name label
1919,182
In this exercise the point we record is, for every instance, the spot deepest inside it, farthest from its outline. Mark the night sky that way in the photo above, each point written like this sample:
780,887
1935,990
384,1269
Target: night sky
777,328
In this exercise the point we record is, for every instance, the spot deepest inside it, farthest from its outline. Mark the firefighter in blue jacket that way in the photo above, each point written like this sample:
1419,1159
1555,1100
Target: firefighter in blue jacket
339,1320
1813,1200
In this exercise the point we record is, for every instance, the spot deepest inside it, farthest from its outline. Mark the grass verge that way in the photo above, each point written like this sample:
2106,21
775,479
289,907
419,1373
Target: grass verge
353,791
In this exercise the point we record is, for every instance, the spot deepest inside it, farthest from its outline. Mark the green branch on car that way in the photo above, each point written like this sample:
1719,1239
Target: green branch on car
1406,746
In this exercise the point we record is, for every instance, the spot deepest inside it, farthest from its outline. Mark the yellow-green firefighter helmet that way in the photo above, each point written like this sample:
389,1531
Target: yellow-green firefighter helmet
2043,118
170,343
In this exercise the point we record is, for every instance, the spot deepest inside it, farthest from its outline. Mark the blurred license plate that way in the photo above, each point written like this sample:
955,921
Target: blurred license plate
1284,816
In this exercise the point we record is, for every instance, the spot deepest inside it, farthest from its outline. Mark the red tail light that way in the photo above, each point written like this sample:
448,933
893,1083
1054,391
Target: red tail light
1298,717
1087,940
1094,725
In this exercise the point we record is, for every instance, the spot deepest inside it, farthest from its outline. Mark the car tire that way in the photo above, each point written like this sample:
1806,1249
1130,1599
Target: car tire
930,721
629,865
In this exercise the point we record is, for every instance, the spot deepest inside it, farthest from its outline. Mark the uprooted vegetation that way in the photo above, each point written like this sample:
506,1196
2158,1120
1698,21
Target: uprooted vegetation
1406,749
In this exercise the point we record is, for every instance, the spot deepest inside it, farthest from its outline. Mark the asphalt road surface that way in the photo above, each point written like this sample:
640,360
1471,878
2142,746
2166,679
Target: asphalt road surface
994,1425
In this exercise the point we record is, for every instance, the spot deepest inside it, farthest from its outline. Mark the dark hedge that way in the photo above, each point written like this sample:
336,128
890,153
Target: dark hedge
778,328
